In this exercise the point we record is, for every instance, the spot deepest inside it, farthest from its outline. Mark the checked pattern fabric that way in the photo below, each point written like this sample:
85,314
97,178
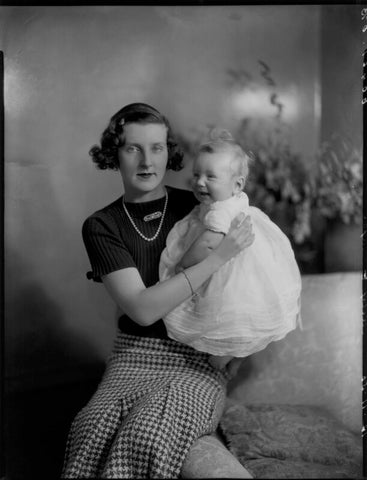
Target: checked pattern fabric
155,399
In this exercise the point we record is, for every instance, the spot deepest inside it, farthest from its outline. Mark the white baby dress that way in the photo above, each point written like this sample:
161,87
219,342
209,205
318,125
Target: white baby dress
250,301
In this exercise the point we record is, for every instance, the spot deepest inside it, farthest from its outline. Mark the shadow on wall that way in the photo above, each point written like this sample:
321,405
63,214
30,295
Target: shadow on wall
39,349
47,381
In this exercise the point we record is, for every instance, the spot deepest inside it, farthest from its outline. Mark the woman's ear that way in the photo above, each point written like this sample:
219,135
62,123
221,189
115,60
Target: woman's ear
239,184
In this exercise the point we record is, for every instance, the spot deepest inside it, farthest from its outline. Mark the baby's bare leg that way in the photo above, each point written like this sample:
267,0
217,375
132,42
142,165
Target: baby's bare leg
219,362
209,458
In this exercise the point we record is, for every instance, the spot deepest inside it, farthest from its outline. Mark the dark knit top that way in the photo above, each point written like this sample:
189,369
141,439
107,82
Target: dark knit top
113,244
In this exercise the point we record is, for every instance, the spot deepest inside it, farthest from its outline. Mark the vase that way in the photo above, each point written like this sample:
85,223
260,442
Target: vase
310,253
342,247
283,216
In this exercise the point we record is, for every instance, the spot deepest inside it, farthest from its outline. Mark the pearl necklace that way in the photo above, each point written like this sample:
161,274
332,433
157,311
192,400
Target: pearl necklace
147,239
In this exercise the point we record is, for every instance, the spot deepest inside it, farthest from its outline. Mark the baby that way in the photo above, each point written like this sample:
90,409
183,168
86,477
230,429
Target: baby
252,300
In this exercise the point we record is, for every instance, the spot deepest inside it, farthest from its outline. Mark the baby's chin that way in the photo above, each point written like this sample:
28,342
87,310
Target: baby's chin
204,198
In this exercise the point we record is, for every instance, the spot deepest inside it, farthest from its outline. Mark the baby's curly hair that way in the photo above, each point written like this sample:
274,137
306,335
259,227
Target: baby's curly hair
105,156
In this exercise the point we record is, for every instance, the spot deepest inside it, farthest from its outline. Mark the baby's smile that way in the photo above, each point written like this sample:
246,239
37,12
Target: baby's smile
203,196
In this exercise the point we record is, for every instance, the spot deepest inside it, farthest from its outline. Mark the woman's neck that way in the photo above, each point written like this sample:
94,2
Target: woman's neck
141,197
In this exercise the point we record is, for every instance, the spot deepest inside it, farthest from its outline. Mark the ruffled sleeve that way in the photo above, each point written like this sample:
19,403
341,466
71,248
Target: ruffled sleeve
220,214
218,220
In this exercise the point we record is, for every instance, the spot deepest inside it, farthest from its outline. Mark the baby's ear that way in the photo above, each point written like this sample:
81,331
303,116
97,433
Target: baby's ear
239,184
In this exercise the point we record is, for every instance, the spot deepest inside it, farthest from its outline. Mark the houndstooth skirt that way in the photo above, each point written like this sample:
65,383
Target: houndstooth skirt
155,399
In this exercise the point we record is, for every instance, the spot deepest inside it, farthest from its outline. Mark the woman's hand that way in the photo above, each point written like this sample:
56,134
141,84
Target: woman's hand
238,238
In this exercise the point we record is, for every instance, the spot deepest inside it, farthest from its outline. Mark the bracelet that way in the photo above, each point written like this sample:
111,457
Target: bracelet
188,281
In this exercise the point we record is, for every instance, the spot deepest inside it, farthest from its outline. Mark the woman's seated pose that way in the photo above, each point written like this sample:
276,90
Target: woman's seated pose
159,401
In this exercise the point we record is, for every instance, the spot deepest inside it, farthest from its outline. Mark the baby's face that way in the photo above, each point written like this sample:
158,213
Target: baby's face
213,177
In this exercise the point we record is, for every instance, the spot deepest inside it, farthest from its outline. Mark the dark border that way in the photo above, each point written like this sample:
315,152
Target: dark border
364,279
76,3
2,322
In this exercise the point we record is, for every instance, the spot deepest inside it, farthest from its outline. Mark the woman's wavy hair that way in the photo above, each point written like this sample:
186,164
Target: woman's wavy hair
105,156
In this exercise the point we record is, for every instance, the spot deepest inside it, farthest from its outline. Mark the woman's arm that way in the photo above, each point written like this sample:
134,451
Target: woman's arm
147,305
200,249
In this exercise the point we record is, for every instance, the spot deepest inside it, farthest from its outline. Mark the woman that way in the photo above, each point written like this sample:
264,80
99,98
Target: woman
157,397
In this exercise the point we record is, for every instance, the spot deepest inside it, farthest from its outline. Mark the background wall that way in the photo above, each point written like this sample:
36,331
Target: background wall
67,70
341,72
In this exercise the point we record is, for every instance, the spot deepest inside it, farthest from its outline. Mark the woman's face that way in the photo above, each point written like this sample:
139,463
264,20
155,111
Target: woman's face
143,160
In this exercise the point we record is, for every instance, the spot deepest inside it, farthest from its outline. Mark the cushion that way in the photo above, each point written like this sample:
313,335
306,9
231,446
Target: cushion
319,365
291,441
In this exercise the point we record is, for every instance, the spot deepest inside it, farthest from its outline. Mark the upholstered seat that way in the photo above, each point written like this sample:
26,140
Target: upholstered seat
294,409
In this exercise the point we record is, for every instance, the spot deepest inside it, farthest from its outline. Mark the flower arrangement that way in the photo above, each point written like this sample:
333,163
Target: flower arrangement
281,181
278,177
337,183
332,184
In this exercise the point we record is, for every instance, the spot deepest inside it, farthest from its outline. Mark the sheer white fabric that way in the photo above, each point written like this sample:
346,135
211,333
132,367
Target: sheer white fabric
252,300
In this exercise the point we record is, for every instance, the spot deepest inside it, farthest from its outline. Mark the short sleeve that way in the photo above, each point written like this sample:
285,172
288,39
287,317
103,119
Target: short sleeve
218,220
105,248
220,214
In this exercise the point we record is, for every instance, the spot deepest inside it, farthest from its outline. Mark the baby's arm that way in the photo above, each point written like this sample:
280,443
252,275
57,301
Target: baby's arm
200,249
